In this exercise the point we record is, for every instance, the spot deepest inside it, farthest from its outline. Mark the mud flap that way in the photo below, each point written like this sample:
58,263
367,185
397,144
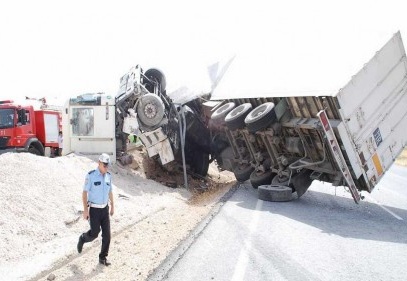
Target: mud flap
301,182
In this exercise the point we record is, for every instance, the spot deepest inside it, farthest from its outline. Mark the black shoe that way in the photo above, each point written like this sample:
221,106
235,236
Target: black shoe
80,244
104,262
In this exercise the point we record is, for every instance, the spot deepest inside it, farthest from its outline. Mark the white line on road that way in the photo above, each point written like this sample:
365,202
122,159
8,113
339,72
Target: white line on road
383,207
243,260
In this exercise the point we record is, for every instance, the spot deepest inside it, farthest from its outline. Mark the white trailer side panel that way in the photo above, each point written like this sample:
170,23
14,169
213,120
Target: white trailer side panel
373,106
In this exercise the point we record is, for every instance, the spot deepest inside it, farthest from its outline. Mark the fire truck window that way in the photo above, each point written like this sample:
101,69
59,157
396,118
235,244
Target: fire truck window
21,117
6,118
82,122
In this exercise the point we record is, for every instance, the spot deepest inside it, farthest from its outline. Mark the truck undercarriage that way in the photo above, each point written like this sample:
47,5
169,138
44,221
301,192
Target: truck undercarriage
277,141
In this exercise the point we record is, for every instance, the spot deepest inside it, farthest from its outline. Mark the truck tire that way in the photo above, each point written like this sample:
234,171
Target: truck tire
235,118
34,151
258,178
222,111
275,193
157,76
150,110
242,172
260,117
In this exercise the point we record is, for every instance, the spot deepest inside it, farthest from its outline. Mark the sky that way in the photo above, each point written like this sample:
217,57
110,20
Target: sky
61,49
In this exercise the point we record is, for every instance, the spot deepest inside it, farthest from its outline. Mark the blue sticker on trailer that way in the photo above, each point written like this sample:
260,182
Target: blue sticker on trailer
377,137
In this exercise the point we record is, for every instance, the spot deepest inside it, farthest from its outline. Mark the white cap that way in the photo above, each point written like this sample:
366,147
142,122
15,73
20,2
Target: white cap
104,157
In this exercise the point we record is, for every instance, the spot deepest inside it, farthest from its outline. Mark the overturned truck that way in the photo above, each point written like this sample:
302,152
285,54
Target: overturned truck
282,143
278,143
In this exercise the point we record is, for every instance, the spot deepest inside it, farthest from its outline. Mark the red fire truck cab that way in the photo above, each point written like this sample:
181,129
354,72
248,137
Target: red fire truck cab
23,129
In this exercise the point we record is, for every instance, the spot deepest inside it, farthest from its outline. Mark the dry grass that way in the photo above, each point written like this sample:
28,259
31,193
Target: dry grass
402,159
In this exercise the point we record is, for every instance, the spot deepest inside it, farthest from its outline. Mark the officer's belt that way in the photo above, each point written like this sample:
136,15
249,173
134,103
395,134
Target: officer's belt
100,206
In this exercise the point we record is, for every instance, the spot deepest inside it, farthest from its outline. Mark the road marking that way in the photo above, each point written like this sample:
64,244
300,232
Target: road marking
243,260
383,207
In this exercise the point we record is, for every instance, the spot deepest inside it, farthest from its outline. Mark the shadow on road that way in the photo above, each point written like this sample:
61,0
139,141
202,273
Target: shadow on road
336,215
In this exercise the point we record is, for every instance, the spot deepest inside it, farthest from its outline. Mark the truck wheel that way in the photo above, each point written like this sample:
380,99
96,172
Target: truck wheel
260,117
33,150
222,111
157,76
150,110
258,178
235,119
275,193
242,172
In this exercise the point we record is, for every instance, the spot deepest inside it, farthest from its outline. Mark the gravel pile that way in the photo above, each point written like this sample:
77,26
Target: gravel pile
41,218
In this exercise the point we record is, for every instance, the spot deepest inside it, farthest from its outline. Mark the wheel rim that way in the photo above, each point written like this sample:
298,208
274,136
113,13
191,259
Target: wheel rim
222,111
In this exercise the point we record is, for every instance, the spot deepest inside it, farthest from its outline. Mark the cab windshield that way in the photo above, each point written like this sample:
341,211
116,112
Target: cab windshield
6,118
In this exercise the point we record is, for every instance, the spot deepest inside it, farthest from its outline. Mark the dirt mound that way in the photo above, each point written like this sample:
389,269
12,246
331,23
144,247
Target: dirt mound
41,219
173,176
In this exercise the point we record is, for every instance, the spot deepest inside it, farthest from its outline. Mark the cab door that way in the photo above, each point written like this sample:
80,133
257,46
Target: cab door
7,133
24,128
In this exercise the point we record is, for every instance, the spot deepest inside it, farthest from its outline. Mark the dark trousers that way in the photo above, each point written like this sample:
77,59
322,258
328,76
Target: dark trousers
99,219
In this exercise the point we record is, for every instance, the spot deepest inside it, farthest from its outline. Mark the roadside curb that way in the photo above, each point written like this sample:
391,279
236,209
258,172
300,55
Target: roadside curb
161,272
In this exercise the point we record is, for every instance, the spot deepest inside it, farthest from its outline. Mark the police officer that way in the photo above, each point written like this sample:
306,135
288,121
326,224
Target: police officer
97,192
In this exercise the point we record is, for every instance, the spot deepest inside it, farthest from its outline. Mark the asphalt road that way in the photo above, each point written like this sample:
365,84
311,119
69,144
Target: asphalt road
322,236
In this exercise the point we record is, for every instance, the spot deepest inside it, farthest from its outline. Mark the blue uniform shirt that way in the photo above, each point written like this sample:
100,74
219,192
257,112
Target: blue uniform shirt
98,187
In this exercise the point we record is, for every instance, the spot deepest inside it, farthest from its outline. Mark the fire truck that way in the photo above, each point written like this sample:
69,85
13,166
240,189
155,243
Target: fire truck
25,129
